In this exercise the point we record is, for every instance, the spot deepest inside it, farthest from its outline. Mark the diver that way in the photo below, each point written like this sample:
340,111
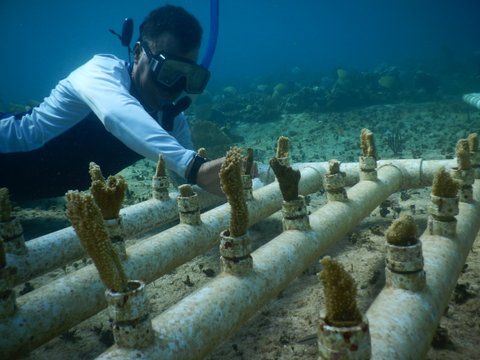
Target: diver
114,113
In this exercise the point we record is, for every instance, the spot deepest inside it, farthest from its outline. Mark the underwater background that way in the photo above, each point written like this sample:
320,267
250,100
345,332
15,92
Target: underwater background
43,41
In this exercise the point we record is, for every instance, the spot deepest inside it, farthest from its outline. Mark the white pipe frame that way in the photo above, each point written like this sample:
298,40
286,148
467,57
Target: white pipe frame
472,99
195,325
54,308
402,323
49,311
59,248
51,251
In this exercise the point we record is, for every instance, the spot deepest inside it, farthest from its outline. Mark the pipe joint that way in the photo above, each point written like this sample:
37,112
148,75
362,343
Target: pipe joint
349,342
442,212
160,188
132,327
465,178
235,253
189,209
12,233
334,185
116,234
368,168
295,215
247,187
404,267
7,294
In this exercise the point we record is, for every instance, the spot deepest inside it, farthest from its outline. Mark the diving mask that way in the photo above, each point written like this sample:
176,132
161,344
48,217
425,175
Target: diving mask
168,70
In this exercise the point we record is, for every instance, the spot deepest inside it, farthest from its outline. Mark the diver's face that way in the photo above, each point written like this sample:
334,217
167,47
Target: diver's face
150,93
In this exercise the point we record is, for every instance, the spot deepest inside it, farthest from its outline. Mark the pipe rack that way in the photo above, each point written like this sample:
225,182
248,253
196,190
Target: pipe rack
402,323
54,308
48,311
195,325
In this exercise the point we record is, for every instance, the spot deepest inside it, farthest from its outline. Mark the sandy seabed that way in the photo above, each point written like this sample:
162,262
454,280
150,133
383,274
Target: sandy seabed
286,327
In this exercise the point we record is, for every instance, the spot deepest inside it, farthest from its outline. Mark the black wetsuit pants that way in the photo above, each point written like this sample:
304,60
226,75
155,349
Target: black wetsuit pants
62,163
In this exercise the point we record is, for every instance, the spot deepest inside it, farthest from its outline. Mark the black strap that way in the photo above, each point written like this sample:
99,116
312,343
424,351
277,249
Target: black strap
192,174
172,110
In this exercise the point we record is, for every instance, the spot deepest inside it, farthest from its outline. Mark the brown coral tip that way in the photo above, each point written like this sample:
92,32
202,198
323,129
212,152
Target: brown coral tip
232,186
333,167
185,190
402,232
340,295
86,219
367,143
5,205
473,142
463,154
95,172
282,147
108,194
160,170
288,179
443,184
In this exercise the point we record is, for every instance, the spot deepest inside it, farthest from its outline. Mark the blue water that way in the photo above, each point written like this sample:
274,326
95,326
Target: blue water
43,41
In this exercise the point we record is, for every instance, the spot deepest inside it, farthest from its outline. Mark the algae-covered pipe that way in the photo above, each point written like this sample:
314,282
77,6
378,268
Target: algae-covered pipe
61,247
194,326
51,251
472,99
402,323
54,308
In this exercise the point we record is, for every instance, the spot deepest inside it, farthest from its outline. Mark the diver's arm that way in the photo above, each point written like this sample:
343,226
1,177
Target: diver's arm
57,113
103,85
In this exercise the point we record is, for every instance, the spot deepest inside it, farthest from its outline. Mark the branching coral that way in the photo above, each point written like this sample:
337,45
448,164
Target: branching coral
160,170
472,142
5,205
463,154
108,194
402,232
367,143
95,172
443,184
340,295
249,161
282,147
231,181
288,179
86,219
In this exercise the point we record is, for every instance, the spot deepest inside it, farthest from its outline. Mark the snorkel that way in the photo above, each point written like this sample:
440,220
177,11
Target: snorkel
213,35
126,36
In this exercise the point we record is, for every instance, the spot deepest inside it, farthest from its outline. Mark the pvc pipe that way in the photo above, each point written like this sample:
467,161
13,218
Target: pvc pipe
51,251
54,308
195,325
61,247
472,99
402,323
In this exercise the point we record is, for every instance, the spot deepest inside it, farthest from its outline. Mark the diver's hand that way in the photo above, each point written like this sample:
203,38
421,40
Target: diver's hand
208,176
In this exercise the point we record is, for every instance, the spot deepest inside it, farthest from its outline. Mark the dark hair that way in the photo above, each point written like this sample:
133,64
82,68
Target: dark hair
176,21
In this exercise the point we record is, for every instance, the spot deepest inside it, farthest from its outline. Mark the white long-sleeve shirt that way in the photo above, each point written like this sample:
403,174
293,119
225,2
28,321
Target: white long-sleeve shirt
102,86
